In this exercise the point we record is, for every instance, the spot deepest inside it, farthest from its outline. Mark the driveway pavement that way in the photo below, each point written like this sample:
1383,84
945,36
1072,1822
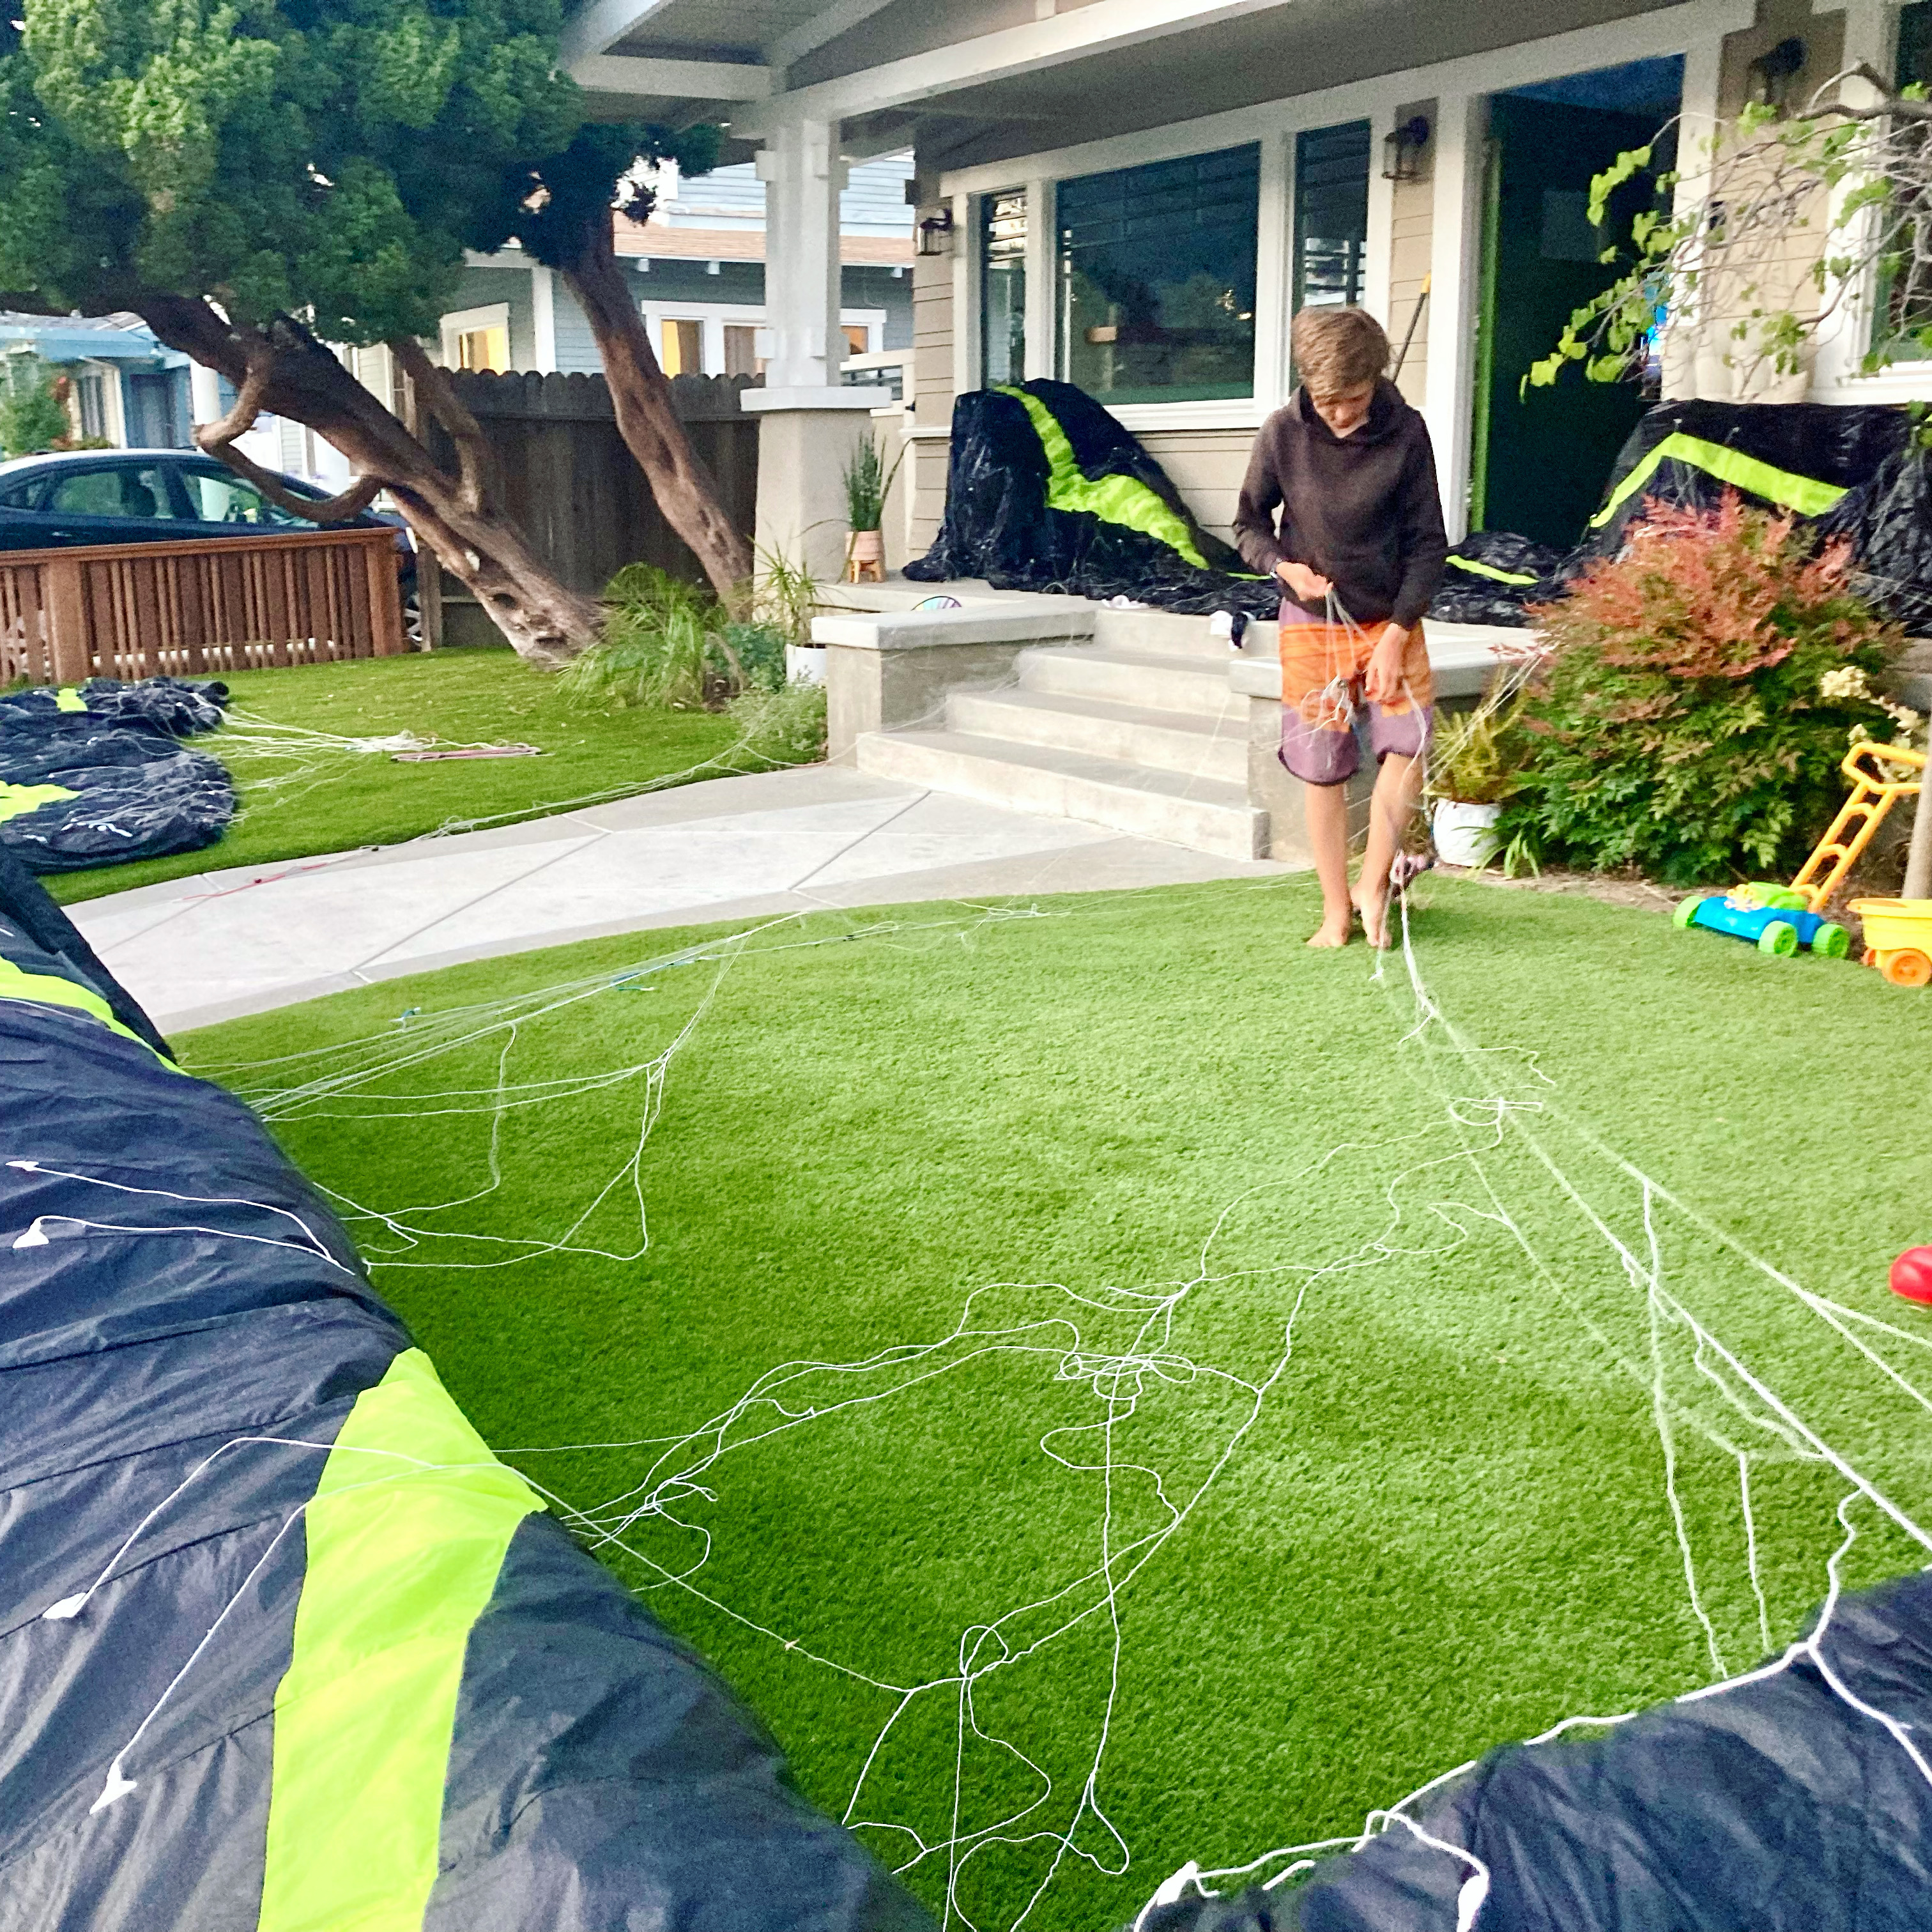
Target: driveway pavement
222,943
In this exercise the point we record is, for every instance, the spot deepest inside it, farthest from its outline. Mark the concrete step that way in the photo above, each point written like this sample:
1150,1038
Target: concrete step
1148,681
1166,633
1166,741
1205,814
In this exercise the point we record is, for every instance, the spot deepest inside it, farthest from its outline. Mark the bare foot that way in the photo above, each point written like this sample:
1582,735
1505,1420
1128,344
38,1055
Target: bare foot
1331,932
1374,908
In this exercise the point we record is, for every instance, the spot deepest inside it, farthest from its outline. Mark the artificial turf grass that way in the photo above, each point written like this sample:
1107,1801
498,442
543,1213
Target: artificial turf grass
459,697
1449,1527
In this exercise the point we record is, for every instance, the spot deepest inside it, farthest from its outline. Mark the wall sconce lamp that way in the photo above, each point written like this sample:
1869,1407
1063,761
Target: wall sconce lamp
1771,74
935,233
1402,150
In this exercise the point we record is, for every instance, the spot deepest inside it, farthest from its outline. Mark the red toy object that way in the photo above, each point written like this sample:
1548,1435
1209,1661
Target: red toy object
1912,1275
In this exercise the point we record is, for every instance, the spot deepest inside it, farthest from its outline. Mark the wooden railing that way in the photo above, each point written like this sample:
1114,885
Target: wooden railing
204,604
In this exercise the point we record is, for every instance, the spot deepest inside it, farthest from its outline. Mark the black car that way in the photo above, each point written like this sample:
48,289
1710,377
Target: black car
68,497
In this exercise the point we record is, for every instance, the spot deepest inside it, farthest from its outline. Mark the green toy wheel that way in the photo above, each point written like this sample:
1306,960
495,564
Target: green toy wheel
1779,939
1831,942
1686,910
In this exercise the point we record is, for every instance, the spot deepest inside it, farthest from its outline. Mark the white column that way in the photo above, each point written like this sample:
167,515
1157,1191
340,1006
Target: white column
204,394
543,306
1378,270
1870,38
1691,368
803,174
1455,251
1043,268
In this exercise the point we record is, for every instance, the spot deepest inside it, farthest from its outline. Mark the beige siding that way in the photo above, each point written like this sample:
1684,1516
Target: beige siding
1414,230
928,503
1207,465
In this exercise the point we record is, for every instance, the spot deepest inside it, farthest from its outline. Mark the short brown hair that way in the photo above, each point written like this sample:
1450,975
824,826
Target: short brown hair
1337,350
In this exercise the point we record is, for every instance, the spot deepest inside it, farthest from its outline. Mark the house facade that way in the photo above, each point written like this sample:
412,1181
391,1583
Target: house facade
123,387
1137,196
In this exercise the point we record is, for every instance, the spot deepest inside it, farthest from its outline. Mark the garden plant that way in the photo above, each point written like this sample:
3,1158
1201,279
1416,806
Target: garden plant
1699,692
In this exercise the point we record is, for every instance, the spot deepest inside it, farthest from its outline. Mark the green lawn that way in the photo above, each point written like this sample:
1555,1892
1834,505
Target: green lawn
302,797
1140,1157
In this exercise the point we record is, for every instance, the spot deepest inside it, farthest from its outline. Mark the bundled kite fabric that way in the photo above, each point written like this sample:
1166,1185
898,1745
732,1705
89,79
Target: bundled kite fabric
1493,576
92,774
283,1646
1855,474
1774,1805
1045,491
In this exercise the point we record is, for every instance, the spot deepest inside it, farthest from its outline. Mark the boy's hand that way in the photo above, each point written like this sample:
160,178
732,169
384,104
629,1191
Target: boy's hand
1381,683
1303,581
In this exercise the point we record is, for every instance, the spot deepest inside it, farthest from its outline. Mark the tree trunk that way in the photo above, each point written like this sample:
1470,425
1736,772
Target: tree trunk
284,369
648,424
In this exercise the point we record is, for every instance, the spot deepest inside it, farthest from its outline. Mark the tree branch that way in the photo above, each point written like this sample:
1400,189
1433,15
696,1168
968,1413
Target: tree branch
218,439
475,461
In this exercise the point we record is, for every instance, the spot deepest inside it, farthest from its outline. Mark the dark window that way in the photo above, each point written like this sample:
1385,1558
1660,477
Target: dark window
1157,279
1002,240
1906,311
23,495
221,496
122,491
1331,214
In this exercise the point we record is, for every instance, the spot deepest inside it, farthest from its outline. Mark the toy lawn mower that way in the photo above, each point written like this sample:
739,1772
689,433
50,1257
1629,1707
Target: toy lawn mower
1778,930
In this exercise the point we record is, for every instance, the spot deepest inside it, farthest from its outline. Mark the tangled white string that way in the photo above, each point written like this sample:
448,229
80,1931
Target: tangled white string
1166,1414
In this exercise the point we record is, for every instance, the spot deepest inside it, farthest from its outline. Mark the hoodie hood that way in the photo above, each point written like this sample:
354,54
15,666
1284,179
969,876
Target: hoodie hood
1387,413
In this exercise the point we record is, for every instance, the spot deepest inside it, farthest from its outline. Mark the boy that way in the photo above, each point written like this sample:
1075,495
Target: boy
1359,552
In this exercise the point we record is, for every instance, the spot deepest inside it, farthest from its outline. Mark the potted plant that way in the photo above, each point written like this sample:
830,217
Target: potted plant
1473,770
868,484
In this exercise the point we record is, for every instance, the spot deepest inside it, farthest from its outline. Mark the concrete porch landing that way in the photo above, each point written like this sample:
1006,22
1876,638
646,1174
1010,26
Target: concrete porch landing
223,943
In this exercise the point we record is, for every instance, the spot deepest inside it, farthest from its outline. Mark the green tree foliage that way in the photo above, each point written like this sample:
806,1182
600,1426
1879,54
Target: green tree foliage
1786,220
32,416
328,159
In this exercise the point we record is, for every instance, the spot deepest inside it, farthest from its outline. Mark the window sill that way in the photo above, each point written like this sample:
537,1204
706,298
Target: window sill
1242,412
1903,382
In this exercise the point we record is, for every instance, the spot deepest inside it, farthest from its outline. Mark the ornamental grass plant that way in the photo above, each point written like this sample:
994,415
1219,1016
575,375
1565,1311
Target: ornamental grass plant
1699,692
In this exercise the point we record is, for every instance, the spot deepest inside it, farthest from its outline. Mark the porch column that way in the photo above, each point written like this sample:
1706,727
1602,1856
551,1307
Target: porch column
1871,37
802,174
810,422
1454,257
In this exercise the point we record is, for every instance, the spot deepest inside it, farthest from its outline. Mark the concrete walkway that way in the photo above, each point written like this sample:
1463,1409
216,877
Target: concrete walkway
223,944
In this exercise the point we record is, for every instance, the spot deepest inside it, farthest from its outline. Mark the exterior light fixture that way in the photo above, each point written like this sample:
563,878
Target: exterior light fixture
935,233
1402,150
1772,74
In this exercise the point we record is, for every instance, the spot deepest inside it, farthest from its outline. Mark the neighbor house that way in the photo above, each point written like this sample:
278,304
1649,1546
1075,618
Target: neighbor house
1136,195
123,387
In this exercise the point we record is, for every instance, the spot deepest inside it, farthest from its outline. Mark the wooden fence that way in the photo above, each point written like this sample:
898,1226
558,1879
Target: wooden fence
207,604
572,485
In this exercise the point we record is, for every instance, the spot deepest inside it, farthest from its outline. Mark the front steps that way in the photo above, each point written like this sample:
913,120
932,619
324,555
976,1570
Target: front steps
1137,731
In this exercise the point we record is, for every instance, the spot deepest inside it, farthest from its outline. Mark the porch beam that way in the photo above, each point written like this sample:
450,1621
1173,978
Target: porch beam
644,79
1028,48
809,35
602,24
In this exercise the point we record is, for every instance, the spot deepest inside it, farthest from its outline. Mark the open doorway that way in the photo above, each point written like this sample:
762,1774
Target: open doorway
1539,458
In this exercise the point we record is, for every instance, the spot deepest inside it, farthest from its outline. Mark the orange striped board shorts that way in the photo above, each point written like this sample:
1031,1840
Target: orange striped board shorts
1322,666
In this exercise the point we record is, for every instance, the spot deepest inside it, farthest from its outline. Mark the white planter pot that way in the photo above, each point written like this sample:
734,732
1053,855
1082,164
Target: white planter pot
805,663
1465,835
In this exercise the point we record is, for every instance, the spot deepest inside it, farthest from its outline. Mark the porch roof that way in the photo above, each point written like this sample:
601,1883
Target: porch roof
985,79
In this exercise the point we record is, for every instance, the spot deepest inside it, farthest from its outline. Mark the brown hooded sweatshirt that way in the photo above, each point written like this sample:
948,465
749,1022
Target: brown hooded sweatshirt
1361,510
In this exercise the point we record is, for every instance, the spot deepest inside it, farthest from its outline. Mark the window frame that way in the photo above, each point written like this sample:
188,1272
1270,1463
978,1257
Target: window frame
1059,359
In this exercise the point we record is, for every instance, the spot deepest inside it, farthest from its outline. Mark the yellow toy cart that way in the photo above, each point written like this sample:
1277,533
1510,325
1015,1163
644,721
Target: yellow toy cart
1898,938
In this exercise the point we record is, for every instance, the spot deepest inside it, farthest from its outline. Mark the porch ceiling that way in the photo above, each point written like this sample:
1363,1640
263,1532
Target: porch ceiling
739,61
